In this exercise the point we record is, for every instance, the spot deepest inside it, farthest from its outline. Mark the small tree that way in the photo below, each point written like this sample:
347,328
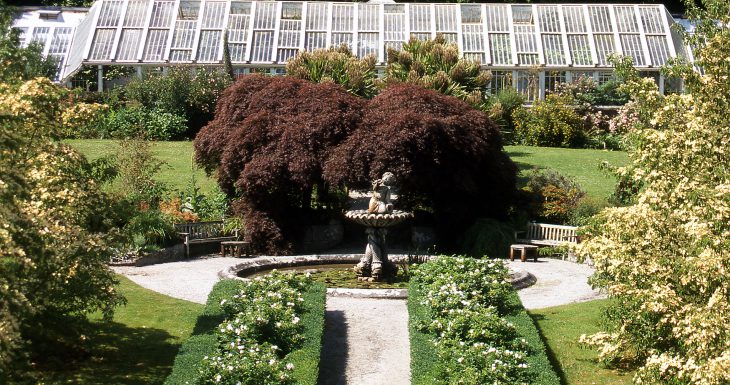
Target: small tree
446,155
268,143
665,258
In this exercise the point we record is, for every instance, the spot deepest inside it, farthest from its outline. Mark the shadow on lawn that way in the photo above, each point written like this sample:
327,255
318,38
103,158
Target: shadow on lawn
121,355
550,354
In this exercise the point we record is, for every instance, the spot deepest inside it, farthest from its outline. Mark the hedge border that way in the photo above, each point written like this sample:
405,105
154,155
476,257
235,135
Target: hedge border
423,353
204,340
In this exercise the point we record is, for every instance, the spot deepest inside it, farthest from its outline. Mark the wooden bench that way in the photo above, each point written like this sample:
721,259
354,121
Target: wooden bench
543,234
203,232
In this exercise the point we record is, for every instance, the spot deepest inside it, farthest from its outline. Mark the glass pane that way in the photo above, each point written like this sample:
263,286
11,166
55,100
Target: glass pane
315,40
61,40
473,37
446,18
40,35
651,18
658,49
604,47
368,17
161,14
291,11
500,48
549,18
522,14
471,13
289,34
497,20
285,54
553,49
626,19
129,44
342,15
237,28
109,14
395,27
101,47
317,16
420,18
136,12
631,45
367,44
213,14
237,51
339,39
188,10
155,47
265,15
180,56
580,50
262,43
184,35
210,42
600,18
575,21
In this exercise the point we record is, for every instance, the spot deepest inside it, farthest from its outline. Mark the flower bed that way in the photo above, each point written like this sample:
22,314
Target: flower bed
271,332
468,327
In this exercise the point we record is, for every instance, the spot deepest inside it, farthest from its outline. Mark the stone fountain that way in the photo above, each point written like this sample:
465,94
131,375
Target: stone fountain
374,264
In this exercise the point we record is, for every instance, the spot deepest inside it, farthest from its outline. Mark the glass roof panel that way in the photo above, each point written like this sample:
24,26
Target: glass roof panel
631,45
368,17
549,18
317,16
580,50
446,18
101,46
155,45
367,44
626,19
420,18
473,37
262,43
265,17
136,13
553,49
315,40
604,47
497,20
129,44
209,47
600,18
110,12
162,14
214,14
651,18
500,48
60,41
575,21
658,49
342,17
471,13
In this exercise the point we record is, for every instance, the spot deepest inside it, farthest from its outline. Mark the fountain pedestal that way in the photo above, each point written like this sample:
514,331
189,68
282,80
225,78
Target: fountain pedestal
374,264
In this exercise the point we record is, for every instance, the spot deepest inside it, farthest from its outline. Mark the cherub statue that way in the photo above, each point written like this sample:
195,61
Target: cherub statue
380,201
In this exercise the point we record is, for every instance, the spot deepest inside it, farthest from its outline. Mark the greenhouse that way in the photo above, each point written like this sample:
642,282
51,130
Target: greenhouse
527,46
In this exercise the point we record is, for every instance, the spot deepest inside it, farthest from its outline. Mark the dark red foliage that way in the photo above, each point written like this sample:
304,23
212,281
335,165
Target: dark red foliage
446,155
268,143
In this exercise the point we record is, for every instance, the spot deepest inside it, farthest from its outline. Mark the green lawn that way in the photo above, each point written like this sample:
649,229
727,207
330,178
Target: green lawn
178,157
561,327
578,163
139,345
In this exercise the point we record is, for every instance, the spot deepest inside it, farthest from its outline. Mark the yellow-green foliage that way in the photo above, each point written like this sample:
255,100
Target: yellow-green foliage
550,123
336,65
52,246
666,259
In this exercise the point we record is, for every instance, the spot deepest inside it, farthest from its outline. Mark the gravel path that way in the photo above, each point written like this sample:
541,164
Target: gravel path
365,342
558,283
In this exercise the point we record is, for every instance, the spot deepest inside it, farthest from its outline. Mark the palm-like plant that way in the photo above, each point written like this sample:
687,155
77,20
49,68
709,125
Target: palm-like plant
336,65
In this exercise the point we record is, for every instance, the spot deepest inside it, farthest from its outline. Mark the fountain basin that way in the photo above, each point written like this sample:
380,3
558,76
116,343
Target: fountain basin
362,217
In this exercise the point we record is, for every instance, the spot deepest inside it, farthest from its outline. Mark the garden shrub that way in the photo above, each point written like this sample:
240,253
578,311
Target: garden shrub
56,236
436,65
664,259
488,237
186,92
552,122
278,318
446,156
269,141
501,108
466,300
83,120
136,122
137,167
551,196
337,65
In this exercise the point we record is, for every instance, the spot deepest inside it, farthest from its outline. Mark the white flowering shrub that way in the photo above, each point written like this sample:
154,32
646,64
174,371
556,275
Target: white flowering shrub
262,326
666,259
466,300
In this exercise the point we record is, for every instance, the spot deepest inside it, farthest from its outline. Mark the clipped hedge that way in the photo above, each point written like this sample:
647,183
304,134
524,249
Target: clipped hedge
204,340
437,363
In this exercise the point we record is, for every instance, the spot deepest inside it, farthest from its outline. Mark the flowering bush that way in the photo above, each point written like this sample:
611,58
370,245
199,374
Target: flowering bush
81,120
262,326
665,258
467,299
55,235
